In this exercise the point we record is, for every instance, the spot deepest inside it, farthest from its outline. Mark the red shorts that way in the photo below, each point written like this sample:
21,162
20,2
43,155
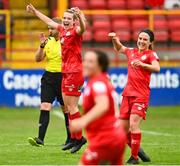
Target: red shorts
72,83
111,155
130,105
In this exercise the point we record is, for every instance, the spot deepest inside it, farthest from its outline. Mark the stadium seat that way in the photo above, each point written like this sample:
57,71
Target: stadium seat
82,4
138,16
119,16
135,4
121,24
175,36
97,4
138,24
160,24
174,24
101,24
161,35
124,35
101,35
116,4
87,36
100,17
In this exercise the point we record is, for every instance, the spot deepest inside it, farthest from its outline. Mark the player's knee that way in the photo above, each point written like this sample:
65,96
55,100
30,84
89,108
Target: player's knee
45,106
134,126
72,108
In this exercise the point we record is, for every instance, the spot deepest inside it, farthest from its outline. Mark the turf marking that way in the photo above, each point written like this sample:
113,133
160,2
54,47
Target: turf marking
58,114
160,134
61,116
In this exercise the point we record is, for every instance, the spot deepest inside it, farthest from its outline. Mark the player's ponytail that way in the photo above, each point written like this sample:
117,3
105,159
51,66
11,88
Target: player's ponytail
151,36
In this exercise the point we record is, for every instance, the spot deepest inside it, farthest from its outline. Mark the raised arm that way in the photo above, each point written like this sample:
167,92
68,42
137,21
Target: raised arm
82,21
118,46
40,53
31,9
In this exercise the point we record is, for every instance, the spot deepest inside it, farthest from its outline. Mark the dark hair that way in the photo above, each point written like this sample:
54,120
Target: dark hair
150,34
102,59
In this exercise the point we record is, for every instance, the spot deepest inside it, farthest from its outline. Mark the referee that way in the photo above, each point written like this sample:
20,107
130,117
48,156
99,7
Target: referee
50,49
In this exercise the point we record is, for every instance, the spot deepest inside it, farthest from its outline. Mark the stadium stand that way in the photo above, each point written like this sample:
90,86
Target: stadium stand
26,29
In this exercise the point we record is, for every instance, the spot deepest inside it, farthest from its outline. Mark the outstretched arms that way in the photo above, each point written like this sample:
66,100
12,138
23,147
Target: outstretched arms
40,53
82,20
118,46
31,9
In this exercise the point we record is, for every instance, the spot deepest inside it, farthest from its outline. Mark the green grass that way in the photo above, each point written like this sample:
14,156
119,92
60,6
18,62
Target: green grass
161,138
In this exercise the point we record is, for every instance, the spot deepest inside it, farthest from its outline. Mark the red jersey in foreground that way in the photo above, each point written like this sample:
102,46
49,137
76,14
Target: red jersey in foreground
139,78
71,44
105,130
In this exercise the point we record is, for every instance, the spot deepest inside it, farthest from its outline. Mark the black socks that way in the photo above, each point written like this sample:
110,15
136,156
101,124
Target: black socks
43,124
67,125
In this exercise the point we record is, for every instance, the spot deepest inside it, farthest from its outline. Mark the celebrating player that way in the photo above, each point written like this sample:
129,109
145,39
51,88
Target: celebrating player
50,49
106,136
71,40
142,61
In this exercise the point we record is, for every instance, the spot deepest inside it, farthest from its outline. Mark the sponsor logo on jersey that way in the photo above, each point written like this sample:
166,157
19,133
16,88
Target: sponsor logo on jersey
144,57
68,33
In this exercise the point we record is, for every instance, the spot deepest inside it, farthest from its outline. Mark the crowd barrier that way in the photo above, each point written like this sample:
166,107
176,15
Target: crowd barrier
19,88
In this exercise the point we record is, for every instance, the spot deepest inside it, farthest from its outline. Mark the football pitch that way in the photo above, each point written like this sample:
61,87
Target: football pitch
161,138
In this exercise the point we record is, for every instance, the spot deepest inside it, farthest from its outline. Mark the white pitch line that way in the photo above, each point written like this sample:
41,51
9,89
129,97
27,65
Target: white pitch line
61,116
58,114
160,134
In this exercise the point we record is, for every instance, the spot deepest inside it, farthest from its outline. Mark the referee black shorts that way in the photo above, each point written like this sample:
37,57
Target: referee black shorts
51,87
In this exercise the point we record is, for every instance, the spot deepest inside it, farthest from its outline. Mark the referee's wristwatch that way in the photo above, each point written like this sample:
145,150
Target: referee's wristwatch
42,45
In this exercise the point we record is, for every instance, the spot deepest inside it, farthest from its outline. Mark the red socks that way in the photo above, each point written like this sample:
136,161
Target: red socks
135,144
128,136
79,134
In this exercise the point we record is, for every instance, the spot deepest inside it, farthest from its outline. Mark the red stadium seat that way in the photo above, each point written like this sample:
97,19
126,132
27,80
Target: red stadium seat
160,24
124,35
100,17
97,4
121,24
173,17
138,16
161,35
101,24
138,24
101,35
135,4
116,4
116,17
82,4
135,35
174,24
87,36
175,36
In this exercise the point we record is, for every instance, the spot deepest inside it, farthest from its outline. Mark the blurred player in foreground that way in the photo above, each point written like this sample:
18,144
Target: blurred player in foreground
49,49
142,61
107,138
71,41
